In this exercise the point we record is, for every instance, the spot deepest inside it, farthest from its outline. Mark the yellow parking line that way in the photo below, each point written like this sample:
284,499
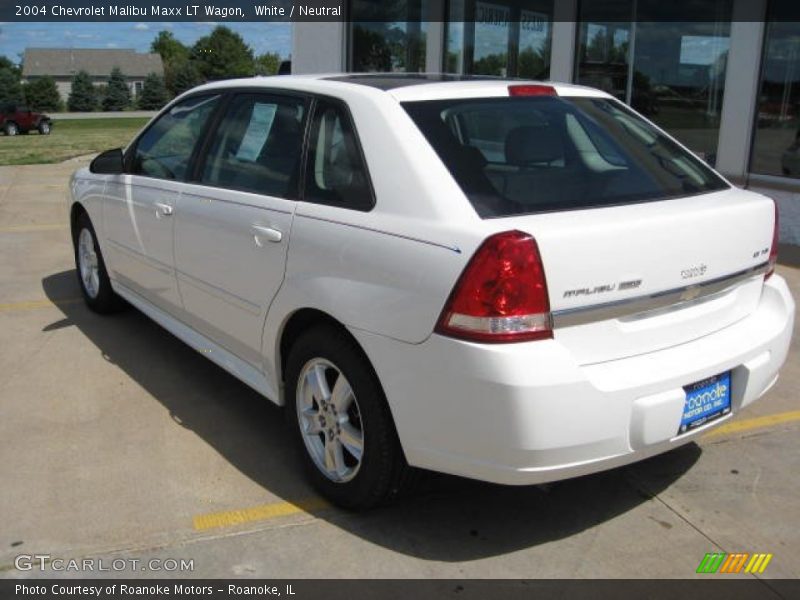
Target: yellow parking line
34,304
755,423
29,228
257,513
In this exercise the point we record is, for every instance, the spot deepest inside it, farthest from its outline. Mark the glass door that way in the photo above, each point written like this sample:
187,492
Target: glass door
504,38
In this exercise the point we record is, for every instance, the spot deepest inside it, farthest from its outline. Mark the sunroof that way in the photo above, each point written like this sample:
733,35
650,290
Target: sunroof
388,81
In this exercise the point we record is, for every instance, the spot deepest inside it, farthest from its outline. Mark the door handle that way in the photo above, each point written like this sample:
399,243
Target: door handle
268,233
163,210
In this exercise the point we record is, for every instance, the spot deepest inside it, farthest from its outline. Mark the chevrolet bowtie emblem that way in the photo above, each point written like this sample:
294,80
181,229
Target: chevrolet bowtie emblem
690,293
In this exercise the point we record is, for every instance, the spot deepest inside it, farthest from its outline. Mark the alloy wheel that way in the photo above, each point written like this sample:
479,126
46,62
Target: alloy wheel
330,420
88,263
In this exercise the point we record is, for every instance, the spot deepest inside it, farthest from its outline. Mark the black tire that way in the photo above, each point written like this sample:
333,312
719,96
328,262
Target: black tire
44,127
383,472
104,301
11,128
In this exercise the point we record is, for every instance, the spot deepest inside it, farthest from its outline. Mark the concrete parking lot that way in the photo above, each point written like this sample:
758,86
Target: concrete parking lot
118,441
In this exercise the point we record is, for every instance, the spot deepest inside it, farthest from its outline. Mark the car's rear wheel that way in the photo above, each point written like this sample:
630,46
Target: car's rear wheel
44,128
341,421
11,129
92,275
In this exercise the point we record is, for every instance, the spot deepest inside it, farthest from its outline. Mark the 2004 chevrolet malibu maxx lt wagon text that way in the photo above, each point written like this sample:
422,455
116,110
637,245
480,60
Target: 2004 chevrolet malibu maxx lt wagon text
511,281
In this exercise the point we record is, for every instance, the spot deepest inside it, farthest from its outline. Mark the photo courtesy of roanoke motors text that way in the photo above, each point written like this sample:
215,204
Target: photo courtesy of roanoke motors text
415,298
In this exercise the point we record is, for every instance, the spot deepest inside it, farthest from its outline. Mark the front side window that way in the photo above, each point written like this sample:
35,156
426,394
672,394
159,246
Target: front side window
336,173
525,155
258,145
164,150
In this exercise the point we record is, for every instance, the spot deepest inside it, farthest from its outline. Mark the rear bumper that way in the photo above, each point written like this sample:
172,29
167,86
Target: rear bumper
528,413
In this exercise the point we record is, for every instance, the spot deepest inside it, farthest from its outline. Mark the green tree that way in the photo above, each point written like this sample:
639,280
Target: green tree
10,87
533,64
372,51
174,55
267,64
185,77
451,62
118,95
491,64
100,91
154,94
604,47
7,63
83,97
222,55
42,94
596,48
170,49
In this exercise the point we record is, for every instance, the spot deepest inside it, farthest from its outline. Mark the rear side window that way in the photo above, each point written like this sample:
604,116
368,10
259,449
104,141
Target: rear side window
525,155
164,150
257,146
336,172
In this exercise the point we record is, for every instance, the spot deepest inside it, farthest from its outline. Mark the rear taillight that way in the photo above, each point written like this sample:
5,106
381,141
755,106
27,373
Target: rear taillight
773,251
502,294
532,90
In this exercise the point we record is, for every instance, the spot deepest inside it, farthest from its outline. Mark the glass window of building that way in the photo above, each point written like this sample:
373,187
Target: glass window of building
506,38
387,36
604,46
776,146
669,70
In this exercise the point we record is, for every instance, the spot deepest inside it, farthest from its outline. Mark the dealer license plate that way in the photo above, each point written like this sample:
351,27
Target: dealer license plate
706,401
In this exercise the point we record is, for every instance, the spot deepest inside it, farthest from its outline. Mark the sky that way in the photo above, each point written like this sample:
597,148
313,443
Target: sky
15,37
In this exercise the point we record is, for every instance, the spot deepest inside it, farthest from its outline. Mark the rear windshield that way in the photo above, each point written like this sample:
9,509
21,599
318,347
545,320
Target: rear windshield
524,155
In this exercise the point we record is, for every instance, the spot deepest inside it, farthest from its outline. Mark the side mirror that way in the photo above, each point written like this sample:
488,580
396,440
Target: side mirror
108,163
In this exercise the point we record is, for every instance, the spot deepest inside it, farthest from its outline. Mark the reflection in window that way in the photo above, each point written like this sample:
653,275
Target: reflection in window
164,149
776,147
506,38
534,45
526,155
257,146
492,31
603,52
672,71
387,36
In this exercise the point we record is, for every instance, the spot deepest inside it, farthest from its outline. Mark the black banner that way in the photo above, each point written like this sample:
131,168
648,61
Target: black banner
684,11
220,589
171,10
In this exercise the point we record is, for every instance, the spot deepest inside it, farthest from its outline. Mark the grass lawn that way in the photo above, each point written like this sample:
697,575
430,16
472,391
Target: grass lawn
69,138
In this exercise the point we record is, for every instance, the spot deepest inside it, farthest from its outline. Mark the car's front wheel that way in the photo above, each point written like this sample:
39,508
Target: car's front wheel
44,127
11,128
92,275
341,421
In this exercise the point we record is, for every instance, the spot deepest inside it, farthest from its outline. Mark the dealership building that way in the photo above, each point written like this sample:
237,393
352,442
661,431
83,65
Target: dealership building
723,76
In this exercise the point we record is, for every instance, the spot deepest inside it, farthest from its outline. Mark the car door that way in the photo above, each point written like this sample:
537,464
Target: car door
139,208
233,223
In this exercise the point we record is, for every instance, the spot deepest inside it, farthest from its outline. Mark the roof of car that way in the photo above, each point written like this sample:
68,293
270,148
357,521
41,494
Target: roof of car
403,87
390,81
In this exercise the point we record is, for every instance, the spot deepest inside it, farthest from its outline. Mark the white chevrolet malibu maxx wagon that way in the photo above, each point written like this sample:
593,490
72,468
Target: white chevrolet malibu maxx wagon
511,281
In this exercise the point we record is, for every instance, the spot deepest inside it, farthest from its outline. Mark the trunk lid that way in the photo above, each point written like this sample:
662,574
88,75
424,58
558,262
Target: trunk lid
619,258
